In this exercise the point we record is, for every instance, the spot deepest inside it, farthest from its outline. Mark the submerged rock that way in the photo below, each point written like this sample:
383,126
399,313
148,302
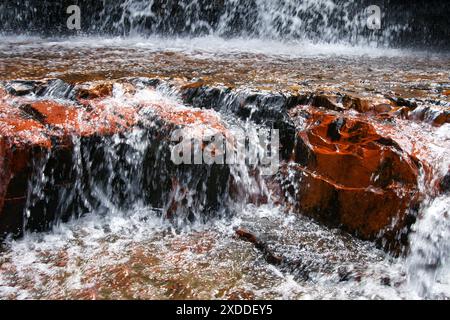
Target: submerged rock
261,245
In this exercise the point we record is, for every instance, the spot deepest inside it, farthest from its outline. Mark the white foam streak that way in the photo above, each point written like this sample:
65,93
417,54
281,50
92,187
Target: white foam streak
209,46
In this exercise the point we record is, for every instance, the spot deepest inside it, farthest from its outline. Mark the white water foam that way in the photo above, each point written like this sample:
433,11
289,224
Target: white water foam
210,46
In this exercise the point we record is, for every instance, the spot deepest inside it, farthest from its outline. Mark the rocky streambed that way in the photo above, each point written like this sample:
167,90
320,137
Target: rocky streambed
91,205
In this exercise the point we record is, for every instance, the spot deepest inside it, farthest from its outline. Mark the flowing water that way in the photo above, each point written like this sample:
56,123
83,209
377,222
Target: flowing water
120,244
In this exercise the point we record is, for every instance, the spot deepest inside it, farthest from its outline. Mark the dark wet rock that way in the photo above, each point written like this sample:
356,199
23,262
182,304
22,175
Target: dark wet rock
32,113
386,281
330,102
432,114
142,82
51,88
401,102
345,274
56,89
445,183
334,128
263,108
205,97
22,87
257,104
261,245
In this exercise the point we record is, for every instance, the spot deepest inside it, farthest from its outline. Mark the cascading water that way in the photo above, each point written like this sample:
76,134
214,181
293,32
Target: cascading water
133,170
120,203
319,21
324,20
428,261
111,215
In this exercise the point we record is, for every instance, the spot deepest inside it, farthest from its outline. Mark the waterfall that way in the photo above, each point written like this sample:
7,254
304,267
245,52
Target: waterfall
286,20
428,262
132,170
335,89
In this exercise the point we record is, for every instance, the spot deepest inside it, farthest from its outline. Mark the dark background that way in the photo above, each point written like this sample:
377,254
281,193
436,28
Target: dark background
427,20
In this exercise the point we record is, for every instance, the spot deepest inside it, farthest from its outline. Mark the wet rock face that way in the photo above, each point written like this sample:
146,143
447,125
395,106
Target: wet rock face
56,155
348,175
341,164
433,112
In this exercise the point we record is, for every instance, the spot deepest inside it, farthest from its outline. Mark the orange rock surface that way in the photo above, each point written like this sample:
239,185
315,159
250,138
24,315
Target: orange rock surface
29,126
352,176
355,168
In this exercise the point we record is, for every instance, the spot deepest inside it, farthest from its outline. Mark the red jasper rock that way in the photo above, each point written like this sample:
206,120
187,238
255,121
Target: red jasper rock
351,169
95,90
367,104
352,176
30,127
